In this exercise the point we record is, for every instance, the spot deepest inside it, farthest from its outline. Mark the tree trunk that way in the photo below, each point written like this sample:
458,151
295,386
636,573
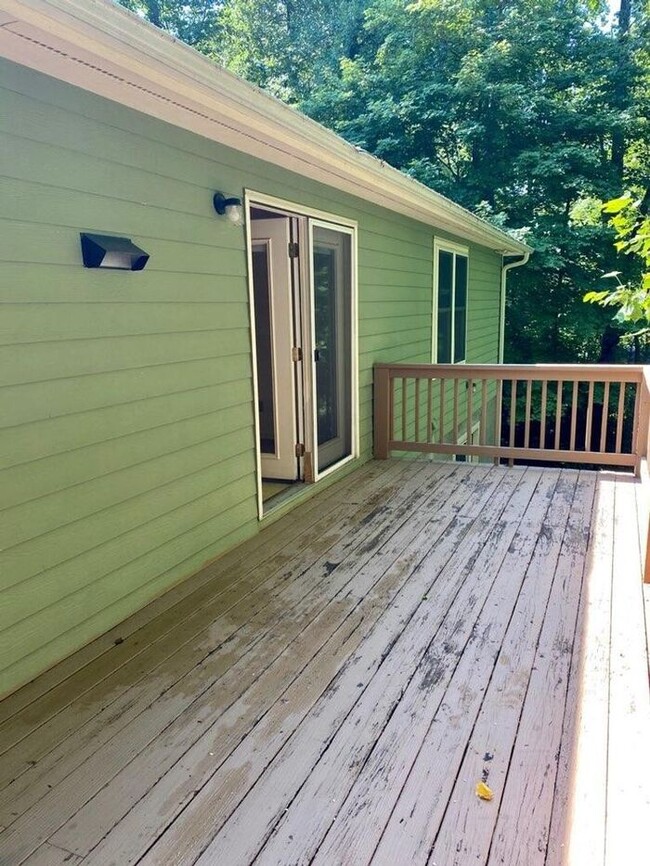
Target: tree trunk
608,343
621,90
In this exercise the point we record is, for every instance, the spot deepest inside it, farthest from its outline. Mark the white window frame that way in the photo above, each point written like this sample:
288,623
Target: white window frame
441,245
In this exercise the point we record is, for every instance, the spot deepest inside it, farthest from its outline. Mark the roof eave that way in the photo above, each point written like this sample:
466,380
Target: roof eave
105,49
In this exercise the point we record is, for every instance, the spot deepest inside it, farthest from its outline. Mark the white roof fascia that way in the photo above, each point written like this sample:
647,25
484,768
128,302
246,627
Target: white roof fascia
104,49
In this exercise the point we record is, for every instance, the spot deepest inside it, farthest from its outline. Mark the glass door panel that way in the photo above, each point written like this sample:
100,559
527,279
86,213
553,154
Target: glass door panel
332,261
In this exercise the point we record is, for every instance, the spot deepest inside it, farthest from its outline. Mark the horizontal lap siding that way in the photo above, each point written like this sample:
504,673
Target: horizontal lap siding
483,307
127,444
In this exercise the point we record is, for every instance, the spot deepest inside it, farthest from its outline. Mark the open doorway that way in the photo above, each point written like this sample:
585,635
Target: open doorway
302,273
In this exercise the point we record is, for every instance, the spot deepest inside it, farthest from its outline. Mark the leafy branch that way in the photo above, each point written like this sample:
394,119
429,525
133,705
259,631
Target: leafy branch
631,223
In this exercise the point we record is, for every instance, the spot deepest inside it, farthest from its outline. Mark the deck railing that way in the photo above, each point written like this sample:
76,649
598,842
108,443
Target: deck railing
577,413
593,414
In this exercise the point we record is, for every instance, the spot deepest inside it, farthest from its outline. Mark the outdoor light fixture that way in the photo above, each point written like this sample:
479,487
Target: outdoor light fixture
108,251
231,208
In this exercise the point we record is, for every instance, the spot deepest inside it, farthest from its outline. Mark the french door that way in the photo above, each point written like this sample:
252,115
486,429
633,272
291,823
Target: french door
274,326
302,288
331,267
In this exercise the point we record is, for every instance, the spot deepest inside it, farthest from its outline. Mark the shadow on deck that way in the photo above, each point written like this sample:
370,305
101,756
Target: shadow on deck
332,691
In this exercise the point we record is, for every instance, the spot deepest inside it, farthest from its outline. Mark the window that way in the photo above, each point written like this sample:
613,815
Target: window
450,305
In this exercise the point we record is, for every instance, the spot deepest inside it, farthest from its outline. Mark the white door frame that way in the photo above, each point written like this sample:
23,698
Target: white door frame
336,223
345,230
283,462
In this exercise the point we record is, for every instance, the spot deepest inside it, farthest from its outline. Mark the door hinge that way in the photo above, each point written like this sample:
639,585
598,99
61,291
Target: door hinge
296,354
300,449
293,250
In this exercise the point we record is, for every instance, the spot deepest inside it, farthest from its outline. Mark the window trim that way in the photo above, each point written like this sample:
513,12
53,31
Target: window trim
442,245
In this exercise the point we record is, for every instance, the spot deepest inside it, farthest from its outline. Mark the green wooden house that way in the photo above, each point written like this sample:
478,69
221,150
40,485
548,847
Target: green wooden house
153,418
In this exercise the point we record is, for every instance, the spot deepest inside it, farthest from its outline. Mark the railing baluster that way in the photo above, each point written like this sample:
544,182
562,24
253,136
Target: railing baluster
590,412
497,418
529,386
513,416
574,415
404,395
604,419
542,415
469,407
455,425
558,415
429,410
483,429
635,418
417,409
441,434
619,420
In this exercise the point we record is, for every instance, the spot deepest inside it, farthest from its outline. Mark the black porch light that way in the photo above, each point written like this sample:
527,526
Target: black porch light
230,207
109,251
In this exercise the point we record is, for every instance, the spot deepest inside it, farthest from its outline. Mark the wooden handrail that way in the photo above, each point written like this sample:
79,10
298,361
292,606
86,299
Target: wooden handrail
523,372
465,417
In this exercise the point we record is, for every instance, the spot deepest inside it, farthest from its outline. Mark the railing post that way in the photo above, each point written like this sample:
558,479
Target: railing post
382,412
641,434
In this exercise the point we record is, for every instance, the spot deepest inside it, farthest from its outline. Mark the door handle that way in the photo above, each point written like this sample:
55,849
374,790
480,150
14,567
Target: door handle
316,354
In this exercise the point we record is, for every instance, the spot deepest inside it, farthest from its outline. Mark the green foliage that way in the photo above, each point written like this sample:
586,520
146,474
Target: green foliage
631,225
195,22
528,112
289,47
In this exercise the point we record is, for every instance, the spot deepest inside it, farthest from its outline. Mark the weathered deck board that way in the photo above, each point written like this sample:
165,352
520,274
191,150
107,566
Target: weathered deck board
209,660
374,790
272,553
50,855
368,690
444,772
183,648
59,683
579,810
296,634
530,782
271,745
628,756
328,692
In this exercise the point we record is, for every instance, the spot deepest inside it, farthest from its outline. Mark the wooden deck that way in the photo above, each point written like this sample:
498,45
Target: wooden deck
332,691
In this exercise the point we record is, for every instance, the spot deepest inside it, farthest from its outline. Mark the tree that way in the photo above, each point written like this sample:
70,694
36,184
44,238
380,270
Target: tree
195,22
289,46
631,223
524,131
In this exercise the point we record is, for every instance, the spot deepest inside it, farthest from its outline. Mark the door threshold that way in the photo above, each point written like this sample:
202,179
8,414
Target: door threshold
273,499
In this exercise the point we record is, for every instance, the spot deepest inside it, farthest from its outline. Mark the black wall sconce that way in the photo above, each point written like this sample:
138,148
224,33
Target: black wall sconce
230,207
108,251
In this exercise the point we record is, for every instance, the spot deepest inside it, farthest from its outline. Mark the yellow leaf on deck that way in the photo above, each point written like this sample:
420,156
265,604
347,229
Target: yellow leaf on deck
483,791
